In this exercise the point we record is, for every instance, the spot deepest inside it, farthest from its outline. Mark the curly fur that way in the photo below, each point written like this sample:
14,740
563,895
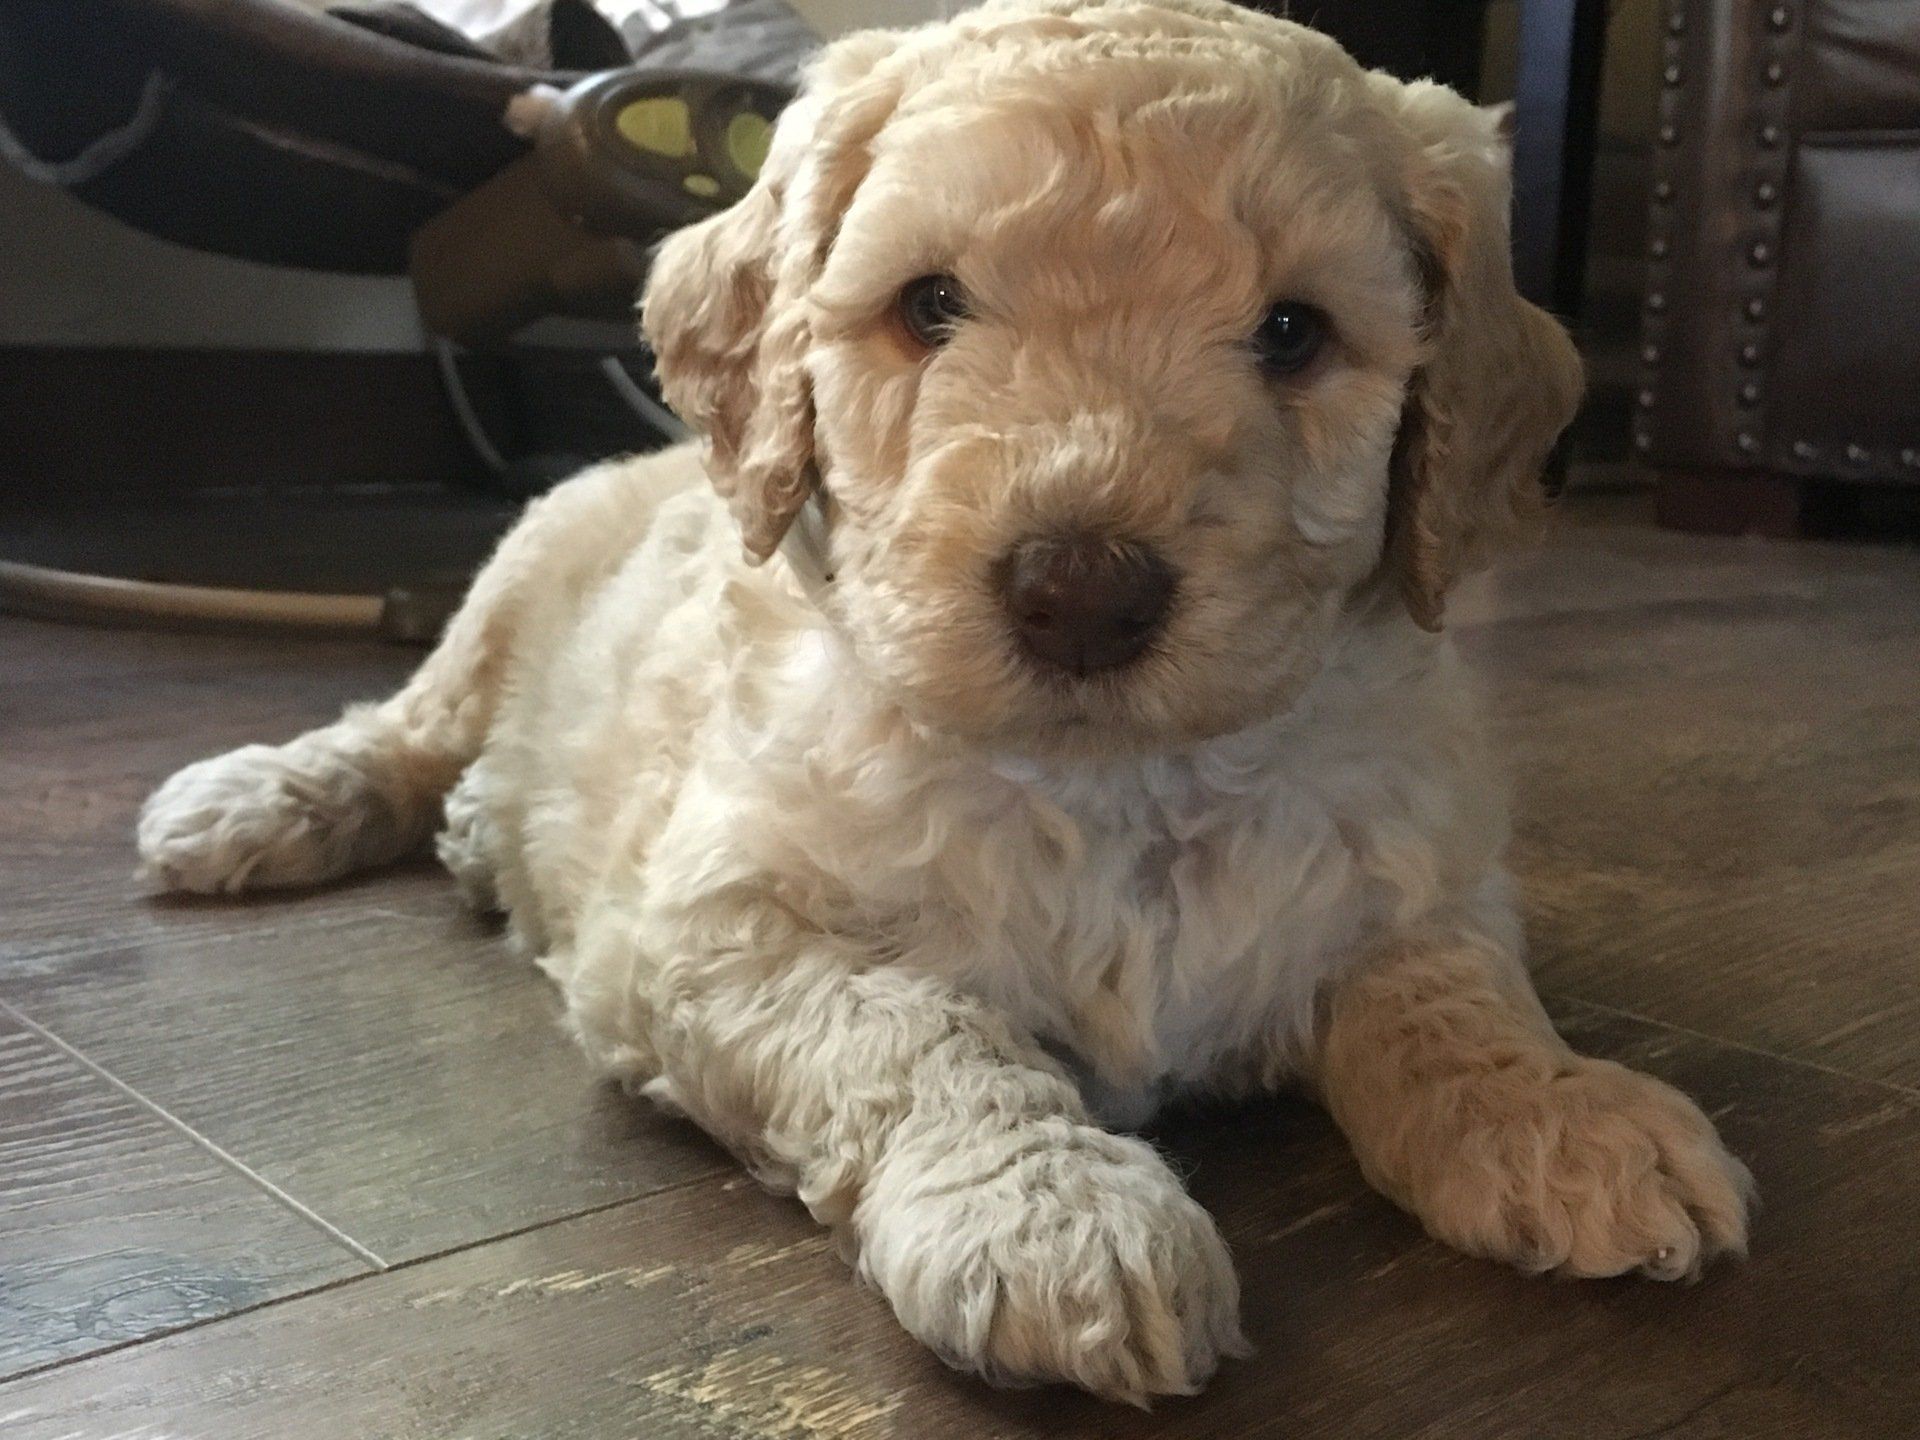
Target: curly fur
818,859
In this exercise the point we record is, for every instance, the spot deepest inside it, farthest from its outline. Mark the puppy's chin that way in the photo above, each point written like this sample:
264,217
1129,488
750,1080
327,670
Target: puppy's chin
1109,715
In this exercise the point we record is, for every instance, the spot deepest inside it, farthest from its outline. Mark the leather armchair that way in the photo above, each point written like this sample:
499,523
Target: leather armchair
1781,333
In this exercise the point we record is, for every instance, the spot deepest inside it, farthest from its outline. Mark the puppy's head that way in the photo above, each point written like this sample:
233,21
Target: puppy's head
1123,345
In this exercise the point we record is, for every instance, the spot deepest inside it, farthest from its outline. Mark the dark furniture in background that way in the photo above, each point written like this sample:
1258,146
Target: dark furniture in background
1782,309
1556,104
1556,115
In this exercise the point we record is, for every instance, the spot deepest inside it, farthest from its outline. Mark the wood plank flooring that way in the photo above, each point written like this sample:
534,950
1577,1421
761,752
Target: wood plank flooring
324,1167
115,1224
1718,787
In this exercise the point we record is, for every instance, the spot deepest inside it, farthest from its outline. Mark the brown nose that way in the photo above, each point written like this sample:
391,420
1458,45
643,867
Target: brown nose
1082,602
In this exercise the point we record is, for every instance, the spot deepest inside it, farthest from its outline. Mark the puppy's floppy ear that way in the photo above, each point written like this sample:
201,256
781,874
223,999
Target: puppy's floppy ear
1500,380
727,309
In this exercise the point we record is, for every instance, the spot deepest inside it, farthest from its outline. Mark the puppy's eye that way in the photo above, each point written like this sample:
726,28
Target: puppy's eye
1289,337
931,308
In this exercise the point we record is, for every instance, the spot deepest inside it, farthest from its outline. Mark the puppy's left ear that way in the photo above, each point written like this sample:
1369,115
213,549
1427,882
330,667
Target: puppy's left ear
727,308
1500,380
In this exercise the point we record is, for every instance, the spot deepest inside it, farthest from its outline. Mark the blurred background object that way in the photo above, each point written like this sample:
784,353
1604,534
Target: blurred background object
227,220
517,192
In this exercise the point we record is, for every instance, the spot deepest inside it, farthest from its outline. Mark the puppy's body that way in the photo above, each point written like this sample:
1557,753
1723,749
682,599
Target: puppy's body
1164,920
849,857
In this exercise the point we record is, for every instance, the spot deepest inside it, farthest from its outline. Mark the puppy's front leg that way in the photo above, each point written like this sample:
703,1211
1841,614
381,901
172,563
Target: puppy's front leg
1010,1235
1466,1108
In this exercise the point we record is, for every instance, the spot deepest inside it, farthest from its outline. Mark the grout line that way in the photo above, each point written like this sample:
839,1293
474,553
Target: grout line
328,1286
532,1226
226,1158
1909,1091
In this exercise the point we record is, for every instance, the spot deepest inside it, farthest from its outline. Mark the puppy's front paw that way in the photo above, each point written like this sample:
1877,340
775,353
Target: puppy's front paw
1060,1252
1599,1171
220,823
261,816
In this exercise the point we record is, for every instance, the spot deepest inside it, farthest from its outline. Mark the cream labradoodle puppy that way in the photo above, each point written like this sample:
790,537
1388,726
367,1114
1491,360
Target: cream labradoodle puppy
1107,392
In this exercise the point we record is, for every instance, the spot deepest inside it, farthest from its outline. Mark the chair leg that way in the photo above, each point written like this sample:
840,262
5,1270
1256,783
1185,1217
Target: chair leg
1705,503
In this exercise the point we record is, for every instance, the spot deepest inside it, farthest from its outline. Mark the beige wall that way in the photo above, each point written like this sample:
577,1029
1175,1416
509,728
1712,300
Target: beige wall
836,17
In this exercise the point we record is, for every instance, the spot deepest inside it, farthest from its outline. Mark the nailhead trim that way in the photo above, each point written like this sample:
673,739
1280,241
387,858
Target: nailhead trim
1774,52
1769,138
1660,225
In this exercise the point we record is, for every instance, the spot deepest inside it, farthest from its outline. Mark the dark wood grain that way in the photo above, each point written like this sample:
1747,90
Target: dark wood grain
92,719
371,1048
115,1226
717,1311
1717,750
1601,552
1718,792
400,1073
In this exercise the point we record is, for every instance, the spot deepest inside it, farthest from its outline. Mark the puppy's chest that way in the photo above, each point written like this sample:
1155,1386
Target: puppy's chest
1159,932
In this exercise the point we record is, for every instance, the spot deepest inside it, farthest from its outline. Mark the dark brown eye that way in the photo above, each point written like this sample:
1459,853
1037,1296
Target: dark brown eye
1290,335
931,309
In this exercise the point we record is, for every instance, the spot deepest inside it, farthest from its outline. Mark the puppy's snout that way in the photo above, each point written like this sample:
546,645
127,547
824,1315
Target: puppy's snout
1084,602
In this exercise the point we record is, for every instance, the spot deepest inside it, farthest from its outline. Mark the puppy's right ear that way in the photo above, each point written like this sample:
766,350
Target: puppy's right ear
707,311
726,307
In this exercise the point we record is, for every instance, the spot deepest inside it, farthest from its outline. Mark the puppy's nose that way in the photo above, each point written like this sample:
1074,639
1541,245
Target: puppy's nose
1083,602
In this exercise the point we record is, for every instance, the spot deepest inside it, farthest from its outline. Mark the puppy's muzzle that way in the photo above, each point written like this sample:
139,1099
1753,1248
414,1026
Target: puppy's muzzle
1084,602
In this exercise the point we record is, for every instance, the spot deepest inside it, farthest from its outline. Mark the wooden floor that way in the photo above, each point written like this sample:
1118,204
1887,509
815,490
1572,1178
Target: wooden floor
324,1167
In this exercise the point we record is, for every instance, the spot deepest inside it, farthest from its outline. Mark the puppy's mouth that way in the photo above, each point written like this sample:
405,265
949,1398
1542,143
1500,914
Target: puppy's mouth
1072,708
1080,685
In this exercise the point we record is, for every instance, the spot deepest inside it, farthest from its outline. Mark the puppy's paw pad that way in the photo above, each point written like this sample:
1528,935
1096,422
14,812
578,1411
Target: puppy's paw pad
1085,1263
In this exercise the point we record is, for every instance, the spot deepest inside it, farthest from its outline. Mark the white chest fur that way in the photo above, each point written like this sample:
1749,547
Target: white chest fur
1163,921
